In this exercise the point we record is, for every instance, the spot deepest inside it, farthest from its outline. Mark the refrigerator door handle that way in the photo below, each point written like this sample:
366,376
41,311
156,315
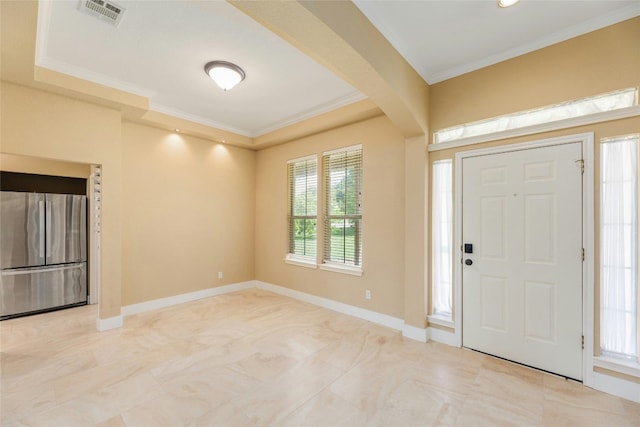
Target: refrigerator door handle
29,270
41,234
48,228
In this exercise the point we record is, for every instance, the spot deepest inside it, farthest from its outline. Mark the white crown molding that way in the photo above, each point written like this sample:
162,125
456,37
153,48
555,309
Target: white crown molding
80,73
307,114
334,104
154,106
83,74
42,29
602,21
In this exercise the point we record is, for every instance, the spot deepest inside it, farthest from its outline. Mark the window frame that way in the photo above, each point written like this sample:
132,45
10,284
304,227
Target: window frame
331,264
442,318
309,261
608,357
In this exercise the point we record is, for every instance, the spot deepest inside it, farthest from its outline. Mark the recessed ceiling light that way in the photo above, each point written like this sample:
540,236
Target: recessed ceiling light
177,130
507,3
225,74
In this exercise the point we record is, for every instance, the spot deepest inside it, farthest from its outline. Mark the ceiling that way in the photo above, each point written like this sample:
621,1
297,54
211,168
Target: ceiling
159,49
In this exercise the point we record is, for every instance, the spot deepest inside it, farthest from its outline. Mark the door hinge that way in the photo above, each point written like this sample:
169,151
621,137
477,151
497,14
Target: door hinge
581,161
583,342
582,254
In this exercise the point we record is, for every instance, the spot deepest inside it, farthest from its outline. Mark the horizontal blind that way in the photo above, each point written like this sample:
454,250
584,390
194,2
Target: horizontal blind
303,206
342,171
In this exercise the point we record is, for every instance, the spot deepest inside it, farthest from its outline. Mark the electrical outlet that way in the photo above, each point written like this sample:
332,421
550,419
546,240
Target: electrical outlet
367,294
219,274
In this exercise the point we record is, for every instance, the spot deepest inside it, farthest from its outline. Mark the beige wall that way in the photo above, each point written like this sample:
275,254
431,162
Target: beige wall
48,126
188,208
383,218
597,62
26,164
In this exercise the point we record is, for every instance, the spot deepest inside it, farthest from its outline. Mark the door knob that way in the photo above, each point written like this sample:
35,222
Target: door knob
468,261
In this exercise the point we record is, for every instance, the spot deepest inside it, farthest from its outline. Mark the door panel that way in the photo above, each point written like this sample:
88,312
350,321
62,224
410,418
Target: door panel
29,290
66,228
21,229
522,291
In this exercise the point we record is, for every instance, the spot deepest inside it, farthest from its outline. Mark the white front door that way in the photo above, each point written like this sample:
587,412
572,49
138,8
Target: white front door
522,276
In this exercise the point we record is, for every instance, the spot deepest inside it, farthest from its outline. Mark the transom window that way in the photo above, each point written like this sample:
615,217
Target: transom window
553,113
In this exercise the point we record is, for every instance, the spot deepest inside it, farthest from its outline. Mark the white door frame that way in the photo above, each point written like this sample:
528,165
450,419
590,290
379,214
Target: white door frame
588,230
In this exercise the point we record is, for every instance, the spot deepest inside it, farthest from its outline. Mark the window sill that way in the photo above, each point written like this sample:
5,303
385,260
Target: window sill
440,320
622,366
301,262
344,269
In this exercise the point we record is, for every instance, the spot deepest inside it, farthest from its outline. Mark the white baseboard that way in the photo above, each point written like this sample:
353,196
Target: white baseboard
408,331
444,337
155,304
351,310
615,386
415,333
109,323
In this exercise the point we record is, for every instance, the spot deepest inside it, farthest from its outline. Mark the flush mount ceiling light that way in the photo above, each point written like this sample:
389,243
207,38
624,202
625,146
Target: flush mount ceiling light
507,3
225,74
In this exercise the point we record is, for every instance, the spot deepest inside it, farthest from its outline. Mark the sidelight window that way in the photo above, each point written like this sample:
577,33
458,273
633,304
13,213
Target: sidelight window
619,299
442,239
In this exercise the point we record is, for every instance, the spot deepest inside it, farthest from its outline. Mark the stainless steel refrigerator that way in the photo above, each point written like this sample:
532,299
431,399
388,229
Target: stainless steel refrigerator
43,252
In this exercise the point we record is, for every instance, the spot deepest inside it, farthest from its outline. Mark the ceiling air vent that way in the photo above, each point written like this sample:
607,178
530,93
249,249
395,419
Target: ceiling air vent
105,10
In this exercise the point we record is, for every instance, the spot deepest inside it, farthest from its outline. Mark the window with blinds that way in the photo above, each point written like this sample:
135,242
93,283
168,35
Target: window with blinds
303,207
342,172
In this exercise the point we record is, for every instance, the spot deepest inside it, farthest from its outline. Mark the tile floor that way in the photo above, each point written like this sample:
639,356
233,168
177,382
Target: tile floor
255,358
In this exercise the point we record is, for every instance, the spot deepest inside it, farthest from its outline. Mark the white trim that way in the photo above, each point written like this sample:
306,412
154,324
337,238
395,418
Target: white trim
342,150
351,310
303,159
339,268
606,116
631,368
457,239
155,304
437,319
293,260
109,323
588,224
588,266
444,337
42,30
334,104
159,108
601,21
415,333
94,219
615,386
